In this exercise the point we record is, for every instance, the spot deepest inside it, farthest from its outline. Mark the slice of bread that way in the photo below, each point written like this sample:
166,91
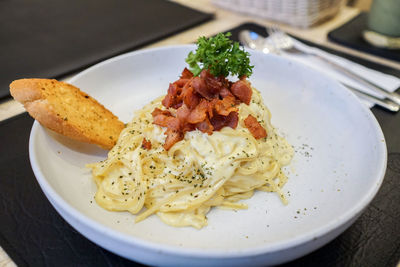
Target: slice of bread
65,109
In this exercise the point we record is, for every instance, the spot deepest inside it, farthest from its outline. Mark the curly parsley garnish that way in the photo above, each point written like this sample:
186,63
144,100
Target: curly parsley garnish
221,56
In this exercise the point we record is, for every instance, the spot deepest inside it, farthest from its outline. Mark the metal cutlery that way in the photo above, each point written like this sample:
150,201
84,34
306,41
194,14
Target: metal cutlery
278,41
385,103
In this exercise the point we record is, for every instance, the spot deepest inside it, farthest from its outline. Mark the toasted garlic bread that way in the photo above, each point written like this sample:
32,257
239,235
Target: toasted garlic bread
65,109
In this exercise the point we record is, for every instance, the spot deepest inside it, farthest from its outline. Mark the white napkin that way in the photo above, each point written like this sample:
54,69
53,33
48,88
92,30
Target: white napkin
388,82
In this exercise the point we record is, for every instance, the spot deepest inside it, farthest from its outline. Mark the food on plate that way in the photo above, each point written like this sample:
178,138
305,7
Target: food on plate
207,143
65,109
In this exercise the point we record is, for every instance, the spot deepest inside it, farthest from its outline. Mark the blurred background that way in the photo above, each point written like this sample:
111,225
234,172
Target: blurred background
360,4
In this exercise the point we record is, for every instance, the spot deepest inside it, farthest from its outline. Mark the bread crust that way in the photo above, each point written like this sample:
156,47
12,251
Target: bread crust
65,109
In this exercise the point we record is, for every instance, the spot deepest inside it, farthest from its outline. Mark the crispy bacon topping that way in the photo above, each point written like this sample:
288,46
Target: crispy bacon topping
190,97
205,102
242,90
158,111
199,113
146,144
186,74
161,117
214,84
173,97
200,86
173,137
225,106
219,121
255,127
205,126
225,92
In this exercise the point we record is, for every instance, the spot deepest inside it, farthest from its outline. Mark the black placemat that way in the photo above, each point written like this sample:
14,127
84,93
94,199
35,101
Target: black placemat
350,35
31,231
47,39
33,234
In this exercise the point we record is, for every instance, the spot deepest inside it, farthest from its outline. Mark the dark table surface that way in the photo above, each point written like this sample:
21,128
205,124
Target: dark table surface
350,34
33,234
48,39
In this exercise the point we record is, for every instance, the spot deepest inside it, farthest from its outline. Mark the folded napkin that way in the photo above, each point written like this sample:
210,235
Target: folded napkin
388,82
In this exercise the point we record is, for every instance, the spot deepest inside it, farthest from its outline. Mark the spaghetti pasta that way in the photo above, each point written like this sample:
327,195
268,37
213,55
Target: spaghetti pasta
201,171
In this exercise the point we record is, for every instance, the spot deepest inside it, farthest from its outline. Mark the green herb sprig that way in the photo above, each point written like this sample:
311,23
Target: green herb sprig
221,56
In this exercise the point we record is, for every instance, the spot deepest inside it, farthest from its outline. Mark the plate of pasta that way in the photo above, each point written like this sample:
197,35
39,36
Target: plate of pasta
259,165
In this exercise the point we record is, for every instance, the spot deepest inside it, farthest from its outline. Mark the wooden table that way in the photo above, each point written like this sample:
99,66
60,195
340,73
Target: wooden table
225,20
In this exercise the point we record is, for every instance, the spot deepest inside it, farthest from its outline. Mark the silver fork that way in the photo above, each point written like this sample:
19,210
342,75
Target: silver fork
254,41
283,42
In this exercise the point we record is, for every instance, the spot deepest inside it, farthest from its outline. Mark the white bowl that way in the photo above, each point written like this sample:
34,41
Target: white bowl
338,167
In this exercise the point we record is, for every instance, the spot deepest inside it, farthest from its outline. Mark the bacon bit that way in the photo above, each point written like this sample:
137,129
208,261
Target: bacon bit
181,82
161,120
173,96
232,120
168,100
242,90
210,109
199,113
205,126
174,89
219,121
214,84
187,127
225,106
255,127
186,74
206,103
172,138
182,113
158,111
173,124
167,121
161,117
200,86
190,97
225,92
146,144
